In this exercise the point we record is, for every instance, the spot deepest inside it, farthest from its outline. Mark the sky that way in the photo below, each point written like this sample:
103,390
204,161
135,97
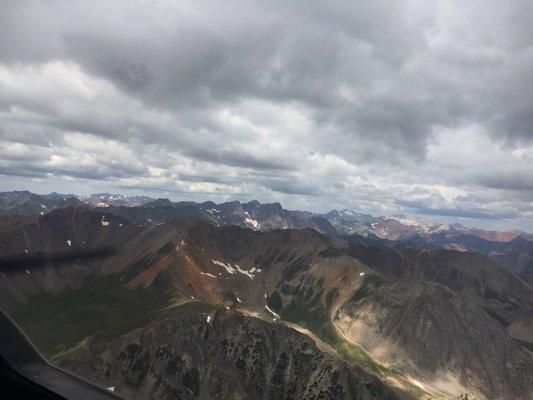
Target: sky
422,108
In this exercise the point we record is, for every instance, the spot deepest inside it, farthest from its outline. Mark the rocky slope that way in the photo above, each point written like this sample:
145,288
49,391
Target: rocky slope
511,249
117,200
209,353
504,296
447,341
441,322
23,202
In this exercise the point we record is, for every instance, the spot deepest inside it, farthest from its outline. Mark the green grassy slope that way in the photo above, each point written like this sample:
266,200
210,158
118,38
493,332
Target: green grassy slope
101,306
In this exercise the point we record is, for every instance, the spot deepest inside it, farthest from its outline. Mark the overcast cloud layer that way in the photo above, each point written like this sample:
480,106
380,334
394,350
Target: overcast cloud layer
416,107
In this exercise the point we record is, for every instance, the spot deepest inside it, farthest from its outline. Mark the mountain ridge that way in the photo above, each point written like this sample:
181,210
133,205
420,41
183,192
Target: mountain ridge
360,222
512,249
290,276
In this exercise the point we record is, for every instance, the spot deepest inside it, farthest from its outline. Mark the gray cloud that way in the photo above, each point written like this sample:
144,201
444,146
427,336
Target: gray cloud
471,213
372,105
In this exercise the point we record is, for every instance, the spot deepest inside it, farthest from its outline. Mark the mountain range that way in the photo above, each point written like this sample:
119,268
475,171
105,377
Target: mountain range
191,300
256,215
512,249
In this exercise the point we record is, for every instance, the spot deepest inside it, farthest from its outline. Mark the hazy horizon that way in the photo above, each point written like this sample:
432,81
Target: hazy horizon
467,222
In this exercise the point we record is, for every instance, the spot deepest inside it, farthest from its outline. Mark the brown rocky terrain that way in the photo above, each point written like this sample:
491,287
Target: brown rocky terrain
210,353
440,323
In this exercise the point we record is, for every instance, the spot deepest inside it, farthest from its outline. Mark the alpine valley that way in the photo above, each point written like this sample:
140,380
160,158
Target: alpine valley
155,299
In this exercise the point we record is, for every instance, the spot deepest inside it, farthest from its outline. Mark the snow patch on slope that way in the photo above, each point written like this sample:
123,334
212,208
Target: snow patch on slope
236,268
228,266
272,312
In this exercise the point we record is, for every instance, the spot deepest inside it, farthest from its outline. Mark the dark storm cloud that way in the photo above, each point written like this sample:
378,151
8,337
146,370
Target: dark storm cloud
519,181
27,170
472,213
237,158
351,100
35,169
291,187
